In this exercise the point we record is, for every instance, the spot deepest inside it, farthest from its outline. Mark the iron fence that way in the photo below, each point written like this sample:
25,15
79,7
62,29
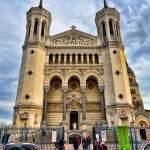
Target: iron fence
42,135
139,136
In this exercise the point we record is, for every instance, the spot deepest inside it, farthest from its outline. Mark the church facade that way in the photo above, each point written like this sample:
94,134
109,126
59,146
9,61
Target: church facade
75,78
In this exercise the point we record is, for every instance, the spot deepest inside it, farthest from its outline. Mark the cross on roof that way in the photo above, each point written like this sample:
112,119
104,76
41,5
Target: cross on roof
73,27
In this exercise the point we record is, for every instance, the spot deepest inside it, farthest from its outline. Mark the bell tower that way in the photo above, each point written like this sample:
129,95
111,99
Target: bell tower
118,102
29,100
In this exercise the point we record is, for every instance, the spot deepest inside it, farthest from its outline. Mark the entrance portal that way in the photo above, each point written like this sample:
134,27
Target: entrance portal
73,119
71,138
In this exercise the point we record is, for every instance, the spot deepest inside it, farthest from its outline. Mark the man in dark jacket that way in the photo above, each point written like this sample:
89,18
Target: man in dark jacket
75,142
61,143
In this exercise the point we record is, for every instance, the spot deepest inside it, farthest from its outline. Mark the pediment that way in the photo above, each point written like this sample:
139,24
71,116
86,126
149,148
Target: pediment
73,37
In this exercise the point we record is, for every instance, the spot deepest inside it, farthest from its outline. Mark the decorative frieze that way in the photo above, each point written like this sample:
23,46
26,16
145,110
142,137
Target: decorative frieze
93,106
54,107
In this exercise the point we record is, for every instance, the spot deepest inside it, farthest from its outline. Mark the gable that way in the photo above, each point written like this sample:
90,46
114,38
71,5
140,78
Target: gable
73,37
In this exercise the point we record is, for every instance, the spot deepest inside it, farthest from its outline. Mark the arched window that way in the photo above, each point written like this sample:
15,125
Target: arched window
90,59
104,29
96,59
35,27
29,28
73,59
117,28
111,27
50,58
43,29
56,59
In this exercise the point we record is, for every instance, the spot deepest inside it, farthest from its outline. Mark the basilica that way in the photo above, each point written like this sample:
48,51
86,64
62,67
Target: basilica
75,78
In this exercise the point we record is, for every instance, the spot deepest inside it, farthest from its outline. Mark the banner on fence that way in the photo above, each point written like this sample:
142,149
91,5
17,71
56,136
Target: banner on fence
123,138
54,136
97,136
103,135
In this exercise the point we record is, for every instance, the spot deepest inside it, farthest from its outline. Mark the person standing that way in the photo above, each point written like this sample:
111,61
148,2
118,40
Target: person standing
84,143
96,145
61,143
75,142
103,146
88,142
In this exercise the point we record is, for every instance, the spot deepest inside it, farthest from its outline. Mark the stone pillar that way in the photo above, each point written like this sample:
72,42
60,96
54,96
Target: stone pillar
70,59
39,29
76,58
84,123
83,104
64,104
65,59
59,59
46,89
104,121
81,59
53,59
87,59
93,59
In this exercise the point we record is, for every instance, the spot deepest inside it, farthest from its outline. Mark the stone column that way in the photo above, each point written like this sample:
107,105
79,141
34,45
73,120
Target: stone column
87,59
64,104
46,89
65,59
70,59
76,58
104,121
81,59
53,59
59,59
93,59
83,104
39,29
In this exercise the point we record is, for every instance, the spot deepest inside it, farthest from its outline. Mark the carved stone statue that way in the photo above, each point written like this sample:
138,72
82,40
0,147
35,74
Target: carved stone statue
74,126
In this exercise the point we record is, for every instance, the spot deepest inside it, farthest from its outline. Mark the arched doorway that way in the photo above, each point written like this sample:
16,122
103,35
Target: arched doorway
142,132
73,119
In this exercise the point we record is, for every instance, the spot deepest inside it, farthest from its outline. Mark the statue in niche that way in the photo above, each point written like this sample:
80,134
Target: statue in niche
74,126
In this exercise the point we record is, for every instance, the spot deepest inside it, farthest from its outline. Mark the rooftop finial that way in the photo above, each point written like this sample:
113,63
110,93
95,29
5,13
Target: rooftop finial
105,4
41,4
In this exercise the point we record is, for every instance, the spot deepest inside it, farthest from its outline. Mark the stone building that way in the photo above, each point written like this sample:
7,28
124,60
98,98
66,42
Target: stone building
75,77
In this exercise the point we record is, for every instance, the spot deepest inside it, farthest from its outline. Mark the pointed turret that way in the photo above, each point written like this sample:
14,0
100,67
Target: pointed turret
105,4
41,4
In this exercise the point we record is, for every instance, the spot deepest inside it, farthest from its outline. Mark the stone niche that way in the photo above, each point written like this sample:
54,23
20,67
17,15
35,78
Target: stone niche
24,116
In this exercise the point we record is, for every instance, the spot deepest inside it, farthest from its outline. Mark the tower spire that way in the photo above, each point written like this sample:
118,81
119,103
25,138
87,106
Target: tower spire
105,4
41,4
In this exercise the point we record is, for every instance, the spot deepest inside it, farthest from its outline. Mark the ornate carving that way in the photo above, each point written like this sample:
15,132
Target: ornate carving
83,88
90,86
46,88
73,37
101,88
54,107
93,106
24,116
74,105
123,115
73,86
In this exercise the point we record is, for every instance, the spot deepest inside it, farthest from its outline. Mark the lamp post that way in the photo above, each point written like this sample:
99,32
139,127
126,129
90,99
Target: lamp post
133,130
26,132
43,133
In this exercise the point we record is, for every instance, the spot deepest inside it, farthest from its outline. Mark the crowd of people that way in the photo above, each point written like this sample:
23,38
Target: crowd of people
85,143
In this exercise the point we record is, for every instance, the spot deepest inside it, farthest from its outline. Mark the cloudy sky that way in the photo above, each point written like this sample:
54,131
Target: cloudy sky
135,30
